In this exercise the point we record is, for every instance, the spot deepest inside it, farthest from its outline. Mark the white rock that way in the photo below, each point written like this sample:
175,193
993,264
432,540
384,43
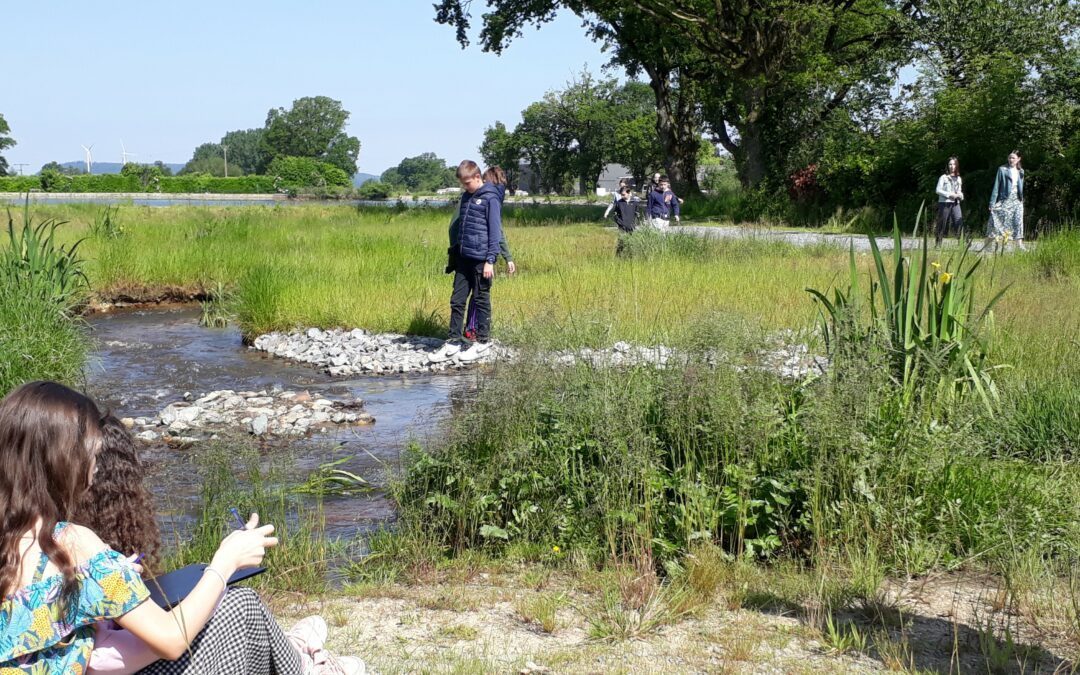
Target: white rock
259,425
147,436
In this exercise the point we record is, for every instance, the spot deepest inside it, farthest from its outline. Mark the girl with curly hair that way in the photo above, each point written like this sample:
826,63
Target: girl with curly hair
58,580
122,509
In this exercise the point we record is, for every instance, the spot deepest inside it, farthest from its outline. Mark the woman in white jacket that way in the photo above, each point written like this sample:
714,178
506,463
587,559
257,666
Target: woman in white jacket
950,192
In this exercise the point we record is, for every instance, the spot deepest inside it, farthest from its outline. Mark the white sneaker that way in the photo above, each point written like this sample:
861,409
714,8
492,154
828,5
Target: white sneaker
474,352
446,352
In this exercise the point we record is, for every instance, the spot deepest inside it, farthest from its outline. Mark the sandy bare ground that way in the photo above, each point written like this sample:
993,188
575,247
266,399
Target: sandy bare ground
488,624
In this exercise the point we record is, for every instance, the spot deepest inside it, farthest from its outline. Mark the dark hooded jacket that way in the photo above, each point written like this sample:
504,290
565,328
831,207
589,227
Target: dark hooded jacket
478,229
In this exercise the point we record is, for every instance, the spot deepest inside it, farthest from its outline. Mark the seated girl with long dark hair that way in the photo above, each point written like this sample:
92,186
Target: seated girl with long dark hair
59,580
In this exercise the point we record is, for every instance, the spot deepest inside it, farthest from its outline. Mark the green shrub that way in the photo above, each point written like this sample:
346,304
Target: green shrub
303,172
374,190
19,183
602,460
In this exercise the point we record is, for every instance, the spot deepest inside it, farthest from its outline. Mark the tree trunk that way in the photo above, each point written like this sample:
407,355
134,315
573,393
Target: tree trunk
676,125
751,166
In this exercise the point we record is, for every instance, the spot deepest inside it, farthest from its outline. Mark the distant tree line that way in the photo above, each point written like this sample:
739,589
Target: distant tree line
569,136
305,141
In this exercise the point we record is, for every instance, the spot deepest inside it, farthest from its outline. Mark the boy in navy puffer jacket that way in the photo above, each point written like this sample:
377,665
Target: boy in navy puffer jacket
478,233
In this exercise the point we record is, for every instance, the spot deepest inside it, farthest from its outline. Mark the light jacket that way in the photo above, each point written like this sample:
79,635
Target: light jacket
944,189
1003,185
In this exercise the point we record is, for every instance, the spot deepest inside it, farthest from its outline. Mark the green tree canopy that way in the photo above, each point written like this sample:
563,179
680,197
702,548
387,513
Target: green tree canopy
244,150
213,166
61,169
500,148
6,141
313,127
302,172
423,173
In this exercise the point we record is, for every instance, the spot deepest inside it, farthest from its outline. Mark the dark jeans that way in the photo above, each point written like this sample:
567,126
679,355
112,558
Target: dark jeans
949,218
469,280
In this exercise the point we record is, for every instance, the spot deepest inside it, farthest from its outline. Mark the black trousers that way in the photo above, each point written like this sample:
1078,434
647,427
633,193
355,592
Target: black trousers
949,218
469,281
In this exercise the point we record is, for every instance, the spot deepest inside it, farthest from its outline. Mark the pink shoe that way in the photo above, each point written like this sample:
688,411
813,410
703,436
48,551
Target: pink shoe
308,635
327,664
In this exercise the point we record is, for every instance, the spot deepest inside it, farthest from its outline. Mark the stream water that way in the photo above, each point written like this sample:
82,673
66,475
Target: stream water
146,359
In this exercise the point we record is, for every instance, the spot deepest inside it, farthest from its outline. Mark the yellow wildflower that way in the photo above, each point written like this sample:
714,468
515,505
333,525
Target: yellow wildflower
555,549
935,265
945,277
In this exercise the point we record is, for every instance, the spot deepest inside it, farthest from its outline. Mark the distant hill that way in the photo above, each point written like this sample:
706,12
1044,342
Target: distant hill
361,178
113,167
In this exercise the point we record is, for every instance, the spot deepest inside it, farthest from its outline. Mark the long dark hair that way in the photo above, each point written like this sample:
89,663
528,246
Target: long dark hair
119,507
49,435
495,175
949,161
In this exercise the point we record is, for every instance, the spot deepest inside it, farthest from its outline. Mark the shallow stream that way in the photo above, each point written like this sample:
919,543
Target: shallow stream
146,359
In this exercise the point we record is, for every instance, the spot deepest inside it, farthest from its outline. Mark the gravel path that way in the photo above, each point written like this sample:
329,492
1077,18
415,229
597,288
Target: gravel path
803,238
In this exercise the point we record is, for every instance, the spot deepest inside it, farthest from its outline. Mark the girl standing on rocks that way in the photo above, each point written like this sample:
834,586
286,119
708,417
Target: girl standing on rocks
1007,202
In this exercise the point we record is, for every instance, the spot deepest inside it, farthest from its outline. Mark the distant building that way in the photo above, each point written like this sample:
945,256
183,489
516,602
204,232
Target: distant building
610,177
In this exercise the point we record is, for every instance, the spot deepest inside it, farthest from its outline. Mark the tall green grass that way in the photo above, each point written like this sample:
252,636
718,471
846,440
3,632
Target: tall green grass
232,474
611,462
41,284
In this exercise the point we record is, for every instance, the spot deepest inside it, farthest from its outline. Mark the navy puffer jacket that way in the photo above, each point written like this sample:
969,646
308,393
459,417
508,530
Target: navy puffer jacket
480,224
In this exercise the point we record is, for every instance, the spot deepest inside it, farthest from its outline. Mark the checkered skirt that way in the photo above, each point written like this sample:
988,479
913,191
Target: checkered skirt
241,638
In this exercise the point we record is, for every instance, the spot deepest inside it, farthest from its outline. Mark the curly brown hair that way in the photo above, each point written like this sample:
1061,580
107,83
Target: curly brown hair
118,507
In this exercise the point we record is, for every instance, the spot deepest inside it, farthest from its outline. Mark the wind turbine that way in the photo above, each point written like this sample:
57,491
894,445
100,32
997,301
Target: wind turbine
89,158
124,154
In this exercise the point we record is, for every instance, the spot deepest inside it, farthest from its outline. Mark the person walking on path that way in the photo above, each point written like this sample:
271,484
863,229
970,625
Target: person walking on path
615,198
663,204
473,255
625,210
950,192
1007,203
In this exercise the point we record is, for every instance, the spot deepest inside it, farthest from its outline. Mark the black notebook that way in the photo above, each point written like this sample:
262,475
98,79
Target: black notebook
169,589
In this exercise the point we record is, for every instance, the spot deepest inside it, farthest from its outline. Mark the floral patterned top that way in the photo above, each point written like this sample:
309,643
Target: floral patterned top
36,639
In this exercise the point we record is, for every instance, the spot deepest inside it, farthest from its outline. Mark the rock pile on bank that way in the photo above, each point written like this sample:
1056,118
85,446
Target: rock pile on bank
260,413
353,352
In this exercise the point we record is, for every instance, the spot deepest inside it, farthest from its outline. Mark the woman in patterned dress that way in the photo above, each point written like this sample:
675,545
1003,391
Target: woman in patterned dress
57,579
1007,203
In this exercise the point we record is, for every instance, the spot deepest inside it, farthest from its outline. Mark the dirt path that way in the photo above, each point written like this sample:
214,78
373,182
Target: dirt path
496,624
803,238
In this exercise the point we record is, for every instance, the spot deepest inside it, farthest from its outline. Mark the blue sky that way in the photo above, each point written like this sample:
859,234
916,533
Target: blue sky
165,77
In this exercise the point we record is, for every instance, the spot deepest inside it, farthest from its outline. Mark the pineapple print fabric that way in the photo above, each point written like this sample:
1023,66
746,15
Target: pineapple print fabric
36,639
